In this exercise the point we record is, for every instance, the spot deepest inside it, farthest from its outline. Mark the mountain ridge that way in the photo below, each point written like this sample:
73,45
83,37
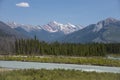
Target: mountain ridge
48,32
105,31
52,26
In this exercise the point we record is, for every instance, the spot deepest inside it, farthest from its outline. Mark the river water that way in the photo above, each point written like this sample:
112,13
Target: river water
38,65
113,58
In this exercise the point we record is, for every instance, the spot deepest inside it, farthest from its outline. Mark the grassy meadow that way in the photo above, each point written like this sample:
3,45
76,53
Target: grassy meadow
56,74
101,61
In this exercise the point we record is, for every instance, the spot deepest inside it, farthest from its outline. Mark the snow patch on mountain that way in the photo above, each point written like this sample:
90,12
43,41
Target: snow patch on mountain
51,27
58,27
98,27
27,28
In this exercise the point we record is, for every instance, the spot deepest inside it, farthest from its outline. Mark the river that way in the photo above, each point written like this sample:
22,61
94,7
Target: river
38,65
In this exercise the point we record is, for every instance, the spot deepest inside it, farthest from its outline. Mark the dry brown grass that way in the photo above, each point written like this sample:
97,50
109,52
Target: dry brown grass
5,69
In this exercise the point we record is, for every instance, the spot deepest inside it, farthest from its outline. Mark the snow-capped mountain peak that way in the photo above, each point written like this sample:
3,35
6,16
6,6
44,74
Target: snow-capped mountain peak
55,22
12,24
58,27
51,27
27,28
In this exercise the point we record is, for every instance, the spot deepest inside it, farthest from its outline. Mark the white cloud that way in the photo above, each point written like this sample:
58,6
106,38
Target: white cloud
23,4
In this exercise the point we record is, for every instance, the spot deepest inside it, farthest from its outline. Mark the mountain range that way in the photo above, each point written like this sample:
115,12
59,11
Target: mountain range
7,31
105,31
49,32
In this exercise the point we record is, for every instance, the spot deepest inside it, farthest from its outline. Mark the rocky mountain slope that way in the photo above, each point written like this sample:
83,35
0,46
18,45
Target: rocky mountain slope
49,32
105,31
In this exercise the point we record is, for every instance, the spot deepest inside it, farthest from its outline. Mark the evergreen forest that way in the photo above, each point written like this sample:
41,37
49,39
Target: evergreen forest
36,47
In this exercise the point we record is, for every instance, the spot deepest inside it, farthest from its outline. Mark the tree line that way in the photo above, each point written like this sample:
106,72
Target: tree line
36,47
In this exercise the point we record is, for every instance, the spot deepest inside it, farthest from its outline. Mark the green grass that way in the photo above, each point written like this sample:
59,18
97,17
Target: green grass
56,74
102,61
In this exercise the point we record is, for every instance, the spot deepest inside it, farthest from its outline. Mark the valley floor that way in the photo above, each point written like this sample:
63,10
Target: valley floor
101,61
56,74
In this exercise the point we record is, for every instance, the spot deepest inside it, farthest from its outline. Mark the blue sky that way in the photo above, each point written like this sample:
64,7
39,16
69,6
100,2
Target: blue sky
39,12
